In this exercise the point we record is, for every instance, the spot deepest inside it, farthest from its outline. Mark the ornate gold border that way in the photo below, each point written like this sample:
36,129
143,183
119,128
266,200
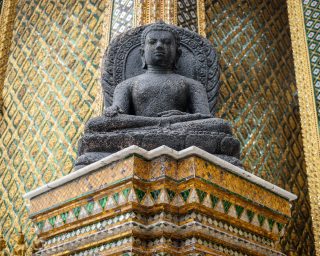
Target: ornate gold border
7,18
308,114
201,13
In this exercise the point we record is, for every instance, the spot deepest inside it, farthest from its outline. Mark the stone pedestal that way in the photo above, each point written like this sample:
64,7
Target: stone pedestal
160,202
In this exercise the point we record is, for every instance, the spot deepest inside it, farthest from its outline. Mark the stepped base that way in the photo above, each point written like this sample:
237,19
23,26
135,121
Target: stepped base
160,202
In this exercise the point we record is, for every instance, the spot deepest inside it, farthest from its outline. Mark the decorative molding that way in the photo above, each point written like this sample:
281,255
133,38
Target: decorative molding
201,13
150,11
163,150
7,17
308,114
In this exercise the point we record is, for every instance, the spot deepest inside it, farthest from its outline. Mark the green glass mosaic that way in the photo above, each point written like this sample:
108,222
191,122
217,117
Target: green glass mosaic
259,96
214,200
201,194
126,192
185,194
76,212
155,194
171,194
140,194
49,93
103,201
89,207
239,210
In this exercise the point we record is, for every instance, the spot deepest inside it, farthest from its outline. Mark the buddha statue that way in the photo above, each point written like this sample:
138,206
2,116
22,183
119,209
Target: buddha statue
158,107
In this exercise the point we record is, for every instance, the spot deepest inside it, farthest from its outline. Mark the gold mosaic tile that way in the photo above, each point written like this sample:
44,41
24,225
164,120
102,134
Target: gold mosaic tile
48,94
259,96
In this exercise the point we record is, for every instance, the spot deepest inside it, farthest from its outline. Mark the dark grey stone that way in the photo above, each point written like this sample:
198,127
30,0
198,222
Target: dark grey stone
165,96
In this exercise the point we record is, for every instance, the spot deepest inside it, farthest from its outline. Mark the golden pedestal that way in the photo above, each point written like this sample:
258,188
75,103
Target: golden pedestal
160,202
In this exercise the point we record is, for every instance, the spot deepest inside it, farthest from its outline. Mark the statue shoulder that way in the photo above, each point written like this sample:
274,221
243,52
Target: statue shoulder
127,84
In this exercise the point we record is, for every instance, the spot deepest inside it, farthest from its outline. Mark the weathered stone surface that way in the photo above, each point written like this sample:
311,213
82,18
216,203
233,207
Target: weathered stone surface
170,103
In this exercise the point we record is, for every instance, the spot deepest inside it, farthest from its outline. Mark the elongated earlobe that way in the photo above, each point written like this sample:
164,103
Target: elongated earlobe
144,65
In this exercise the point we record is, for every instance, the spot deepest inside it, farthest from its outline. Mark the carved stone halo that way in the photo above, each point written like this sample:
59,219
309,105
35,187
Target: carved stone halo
199,61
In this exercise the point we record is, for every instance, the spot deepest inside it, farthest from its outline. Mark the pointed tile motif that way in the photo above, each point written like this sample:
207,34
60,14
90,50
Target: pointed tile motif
110,203
255,220
232,211
47,226
122,199
178,201
71,217
280,226
219,207
163,198
207,202
116,197
271,223
239,210
147,201
103,202
250,215
155,194
59,221
140,194
185,194
201,194
171,194
126,192
83,212
89,207
214,200
64,217
193,198
226,205
52,220
261,219
96,208
132,197
40,225
76,212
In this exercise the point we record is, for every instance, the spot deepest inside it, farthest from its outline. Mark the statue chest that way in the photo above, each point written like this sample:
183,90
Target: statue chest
153,96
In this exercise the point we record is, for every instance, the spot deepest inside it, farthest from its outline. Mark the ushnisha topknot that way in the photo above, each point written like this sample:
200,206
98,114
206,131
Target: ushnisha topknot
160,26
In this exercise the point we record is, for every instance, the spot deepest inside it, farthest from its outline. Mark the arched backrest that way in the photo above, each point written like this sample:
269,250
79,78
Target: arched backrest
122,60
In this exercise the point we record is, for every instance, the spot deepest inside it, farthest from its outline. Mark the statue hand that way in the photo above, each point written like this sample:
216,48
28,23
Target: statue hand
113,111
171,113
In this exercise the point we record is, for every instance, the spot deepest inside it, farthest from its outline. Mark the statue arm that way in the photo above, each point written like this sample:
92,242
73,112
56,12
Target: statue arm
198,99
121,100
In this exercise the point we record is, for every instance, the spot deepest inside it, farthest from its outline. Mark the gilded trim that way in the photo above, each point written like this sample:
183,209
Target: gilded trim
149,11
7,17
201,13
308,114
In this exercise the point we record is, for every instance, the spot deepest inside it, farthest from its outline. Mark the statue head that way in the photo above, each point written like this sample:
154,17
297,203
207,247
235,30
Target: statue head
160,46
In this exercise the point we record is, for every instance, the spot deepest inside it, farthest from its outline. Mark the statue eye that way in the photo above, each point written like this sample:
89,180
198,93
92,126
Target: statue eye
168,41
152,41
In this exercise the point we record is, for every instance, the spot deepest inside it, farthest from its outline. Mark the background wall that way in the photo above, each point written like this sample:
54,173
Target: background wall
259,95
49,93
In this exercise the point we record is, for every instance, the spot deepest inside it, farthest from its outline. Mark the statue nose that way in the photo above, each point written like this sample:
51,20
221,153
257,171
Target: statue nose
159,45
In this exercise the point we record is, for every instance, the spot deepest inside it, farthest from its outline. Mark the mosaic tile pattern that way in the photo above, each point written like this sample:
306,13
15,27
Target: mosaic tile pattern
122,16
312,24
187,14
49,94
1,2
259,96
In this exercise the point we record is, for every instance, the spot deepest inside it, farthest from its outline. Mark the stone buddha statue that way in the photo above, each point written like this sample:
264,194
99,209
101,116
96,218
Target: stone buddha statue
164,104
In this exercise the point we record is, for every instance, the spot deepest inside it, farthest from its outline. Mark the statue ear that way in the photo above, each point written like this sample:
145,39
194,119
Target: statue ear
144,65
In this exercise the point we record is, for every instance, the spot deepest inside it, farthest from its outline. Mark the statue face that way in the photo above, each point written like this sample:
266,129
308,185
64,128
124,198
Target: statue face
160,49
